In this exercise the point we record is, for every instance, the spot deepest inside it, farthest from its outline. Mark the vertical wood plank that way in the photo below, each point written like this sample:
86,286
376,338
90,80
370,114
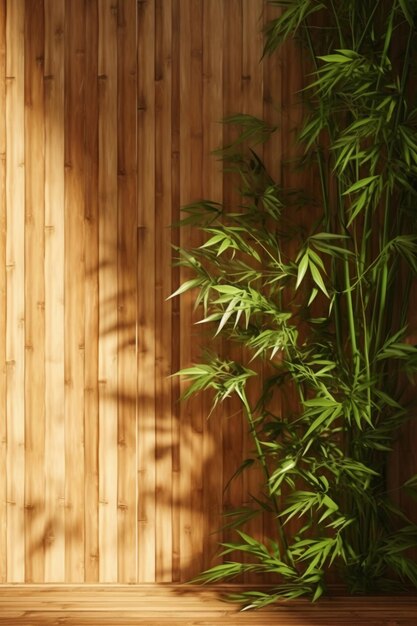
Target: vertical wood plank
15,264
212,179
108,314
191,418
3,388
34,294
163,288
91,409
74,288
234,428
146,293
54,293
272,69
127,296
272,96
252,103
175,278
292,178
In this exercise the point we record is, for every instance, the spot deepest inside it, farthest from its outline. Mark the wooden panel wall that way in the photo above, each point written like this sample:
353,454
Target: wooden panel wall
109,110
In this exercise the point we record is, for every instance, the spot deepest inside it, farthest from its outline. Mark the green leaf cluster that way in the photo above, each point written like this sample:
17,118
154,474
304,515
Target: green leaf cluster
325,306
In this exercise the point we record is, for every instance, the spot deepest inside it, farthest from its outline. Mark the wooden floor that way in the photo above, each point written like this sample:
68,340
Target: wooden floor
169,605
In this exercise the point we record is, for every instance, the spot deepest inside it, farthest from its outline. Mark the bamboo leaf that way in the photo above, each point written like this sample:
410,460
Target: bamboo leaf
404,4
335,58
360,184
302,268
315,273
186,286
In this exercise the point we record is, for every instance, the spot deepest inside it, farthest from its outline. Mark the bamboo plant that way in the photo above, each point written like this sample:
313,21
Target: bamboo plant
325,307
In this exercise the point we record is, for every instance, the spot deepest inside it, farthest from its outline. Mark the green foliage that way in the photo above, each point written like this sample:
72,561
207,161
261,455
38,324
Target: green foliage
260,280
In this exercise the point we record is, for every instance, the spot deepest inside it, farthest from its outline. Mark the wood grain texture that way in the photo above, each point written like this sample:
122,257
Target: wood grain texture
175,278
252,85
235,427
15,314
212,187
127,290
109,111
146,433
34,294
91,291
3,284
74,272
152,605
163,288
54,532
191,415
272,92
108,296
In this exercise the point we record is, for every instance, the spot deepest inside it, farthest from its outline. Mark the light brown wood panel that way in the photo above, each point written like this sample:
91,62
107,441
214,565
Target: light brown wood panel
146,260
54,531
15,290
91,326
3,326
163,288
153,605
74,271
127,289
34,293
108,292
109,111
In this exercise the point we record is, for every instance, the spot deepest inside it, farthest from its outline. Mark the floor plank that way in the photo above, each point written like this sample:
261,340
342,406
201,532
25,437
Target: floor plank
182,605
